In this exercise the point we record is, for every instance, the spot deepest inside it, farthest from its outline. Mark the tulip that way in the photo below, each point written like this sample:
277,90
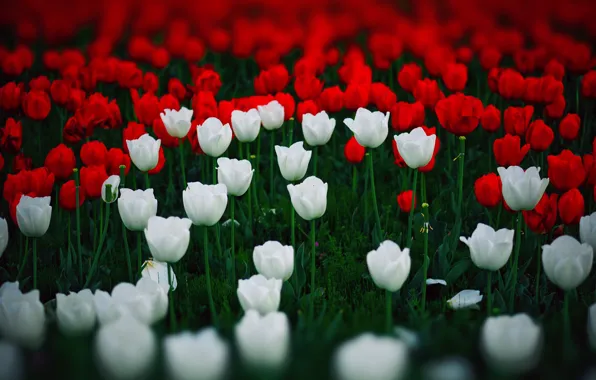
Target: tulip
3,235
205,204
592,326
587,231
317,129
22,316
235,174
274,260
511,344
465,299
522,190
106,308
293,161
389,267
263,341
567,262
272,115
34,216
214,137
125,349
144,152
196,356
452,368
373,358
369,128
260,294
110,195
416,148
246,125
158,272
177,123
12,361
75,312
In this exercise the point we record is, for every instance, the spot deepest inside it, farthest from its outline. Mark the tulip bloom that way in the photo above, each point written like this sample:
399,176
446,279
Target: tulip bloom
34,216
274,260
370,128
144,152
136,207
309,198
416,148
22,316
235,174
522,190
567,262
205,204
168,238
272,115
246,125
317,129
260,294
75,312
177,123
293,161
587,230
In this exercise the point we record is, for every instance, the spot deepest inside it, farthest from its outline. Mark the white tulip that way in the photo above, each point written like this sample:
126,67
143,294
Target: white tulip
177,123
587,230
309,198
205,204
125,349
106,308
246,125
317,129
592,326
12,361
511,344
259,293
75,312
144,152
235,174
136,207
370,128
196,356
371,357
158,272
112,196
22,316
272,115
263,341
293,161
567,262
522,190
147,301
454,368
214,137
465,299
274,260
389,265
489,249
168,238
34,216
415,147
3,235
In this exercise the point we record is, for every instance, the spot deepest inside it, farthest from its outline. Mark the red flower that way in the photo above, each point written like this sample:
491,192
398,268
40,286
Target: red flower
437,58
404,200
94,153
459,114
68,196
271,81
571,207
307,106
75,99
455,76
114,159
92,179
162,133
307,86
490,120
224,111
160,163
353,151
356,96
556,109
589,161
41,83
41,181
61,161
194,50
150,83
516,119
490,57
382,97
11,136
168,101
37,105
10,96
132,132
427,92
160,58
512,84
146,108
21,163
569,126
128,75
493,79
409,75
207,80
193,138
539,136
508,152
554,68
204,106
176,88
543,217
566,170
331,99
286,100
488,190
72,132
589,84
60,91
405,116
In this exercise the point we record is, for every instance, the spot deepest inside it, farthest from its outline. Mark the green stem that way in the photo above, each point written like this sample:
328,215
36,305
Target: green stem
78,221
271,168
147,181
102,238
313,258
214,169
293,241
171,303
425,212
354,178
538,267
232,252
256,166
250,190
139,253
566,324
124,233
315,159
413,206
372,188
489,288
208,277
388,311
291,131
68,240
25,257
460,189
182,170
513,274
34,263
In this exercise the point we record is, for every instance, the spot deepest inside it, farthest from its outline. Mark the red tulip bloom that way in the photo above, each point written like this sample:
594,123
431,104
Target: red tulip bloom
569,126
61,161
459,114
92,179
556,109
488,190
571,207
517,119
382,96
543,217
404,201
490,120
11,136
539,135
356,96
455,76
331,99
406,116
408,76
308,106
353,151
68,196
94,153
427,92
114,159
566,170
285,99
307,87
36,105
508,152
10,96
271,81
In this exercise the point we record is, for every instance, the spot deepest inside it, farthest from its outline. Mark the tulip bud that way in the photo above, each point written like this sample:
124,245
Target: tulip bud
274,260
136,207
370,128
109,189
3,235
522,190
168,238
317,129
75,312
235,174
567,262
489,249
205,204
260,294
587,230
144,152
34,216
272,115
214,137
309,198
293,161
246,125
22,316
416,148
177,123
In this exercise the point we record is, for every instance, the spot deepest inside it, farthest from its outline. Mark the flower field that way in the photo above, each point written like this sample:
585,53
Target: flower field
291,190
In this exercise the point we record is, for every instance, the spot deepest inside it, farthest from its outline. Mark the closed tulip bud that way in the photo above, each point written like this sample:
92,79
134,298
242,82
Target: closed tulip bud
489,249
111,195
389,265
571,207
246,125
12,361
466,299
371,357
136,207
317,129
3,235
158,272
370,128
272,115
416,148
263,341
168,238
309,198
259,293
205,204
22,316
587,230
511,344
75,312
144,152
214,137
293,161
235,174
274,260
34,216
567,262
592,326
125,349
488,190
522,190
177,123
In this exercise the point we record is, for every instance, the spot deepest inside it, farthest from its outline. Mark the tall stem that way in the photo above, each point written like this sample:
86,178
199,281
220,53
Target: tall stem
250,190
315,159
34,263
538,266
124,233
171,294
291,130
271,162
372,188
102,238
513,274
388,311
293,241
78,221
412,207
233,252
147,181
460,189
182,170
354,178
139,253
208,276
313,258
566,324
25,257
489,288
425,212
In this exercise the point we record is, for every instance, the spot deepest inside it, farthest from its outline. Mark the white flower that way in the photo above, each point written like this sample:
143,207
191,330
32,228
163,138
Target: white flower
125,349
75,312
272,115
432,281
106,308
370,128
274,260
196,356
372,358
144,152
389,265
12,361
309,198
168,238
246,125
511,343
567,262
112,196
454,368
587,230
177,123
136,207
205,204
34,216
415,147
489,249
3,235
522,190
158,272
214,137
293,161
260,294
22,316
465,299
235,174
317,129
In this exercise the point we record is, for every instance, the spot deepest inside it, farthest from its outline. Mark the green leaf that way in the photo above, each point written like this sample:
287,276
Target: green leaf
458,270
